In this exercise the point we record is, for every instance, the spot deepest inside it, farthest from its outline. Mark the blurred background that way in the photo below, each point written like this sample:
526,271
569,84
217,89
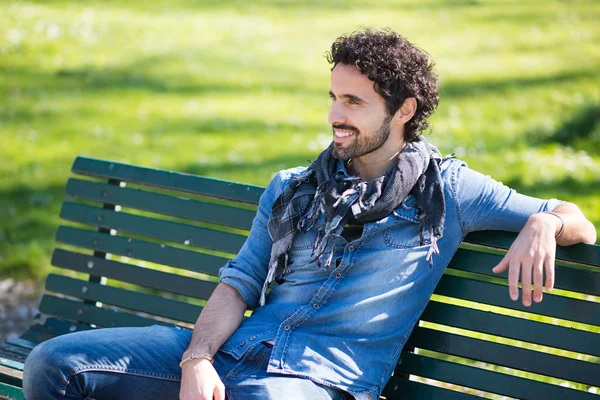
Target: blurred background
239,89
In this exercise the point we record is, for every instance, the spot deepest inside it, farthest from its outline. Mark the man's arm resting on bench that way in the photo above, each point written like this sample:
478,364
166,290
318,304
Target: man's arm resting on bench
221,316
531,256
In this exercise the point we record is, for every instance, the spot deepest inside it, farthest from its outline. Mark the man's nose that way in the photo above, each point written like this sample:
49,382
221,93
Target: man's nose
336,115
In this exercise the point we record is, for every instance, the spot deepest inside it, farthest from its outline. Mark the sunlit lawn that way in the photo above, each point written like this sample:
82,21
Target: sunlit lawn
238,90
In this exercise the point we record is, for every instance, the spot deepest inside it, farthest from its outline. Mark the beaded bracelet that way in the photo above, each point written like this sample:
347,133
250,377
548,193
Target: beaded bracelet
562,228
196,357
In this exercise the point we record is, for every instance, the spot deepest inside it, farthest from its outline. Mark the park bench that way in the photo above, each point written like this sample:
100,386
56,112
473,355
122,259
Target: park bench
155,246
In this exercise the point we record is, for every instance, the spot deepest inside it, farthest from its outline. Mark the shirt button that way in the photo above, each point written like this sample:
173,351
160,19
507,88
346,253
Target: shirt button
338,275
242,343
287,327
315,306
351,248
253,338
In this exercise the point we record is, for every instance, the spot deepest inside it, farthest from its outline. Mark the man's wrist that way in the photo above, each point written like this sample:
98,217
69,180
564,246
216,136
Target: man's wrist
558,224
196,358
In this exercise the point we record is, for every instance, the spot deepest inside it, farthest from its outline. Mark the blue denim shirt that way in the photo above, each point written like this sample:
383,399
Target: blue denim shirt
345,327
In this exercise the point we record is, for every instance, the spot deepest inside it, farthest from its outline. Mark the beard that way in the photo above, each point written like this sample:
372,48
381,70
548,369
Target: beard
362,144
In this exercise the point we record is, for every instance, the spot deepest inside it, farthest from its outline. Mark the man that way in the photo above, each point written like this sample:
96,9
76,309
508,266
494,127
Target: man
357,242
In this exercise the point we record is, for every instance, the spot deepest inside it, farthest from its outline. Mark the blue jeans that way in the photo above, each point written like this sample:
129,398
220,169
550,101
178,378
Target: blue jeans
143,363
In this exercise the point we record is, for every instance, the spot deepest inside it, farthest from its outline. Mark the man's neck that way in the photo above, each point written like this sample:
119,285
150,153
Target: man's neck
372,165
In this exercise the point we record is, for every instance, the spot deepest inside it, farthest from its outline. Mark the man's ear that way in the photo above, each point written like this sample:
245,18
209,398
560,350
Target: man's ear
407,110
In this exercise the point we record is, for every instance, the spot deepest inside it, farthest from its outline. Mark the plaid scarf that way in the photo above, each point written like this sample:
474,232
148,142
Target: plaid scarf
322,191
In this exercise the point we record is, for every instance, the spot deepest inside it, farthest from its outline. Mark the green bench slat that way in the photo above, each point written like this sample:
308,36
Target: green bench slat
12,392
513,328
9,358
137,275
161,204
141,250
566,278
35,336
504,355
402,389
167,180
497,295
7,347
23,343
89,314
489,381
579,253
141,302
159,229
55,327
13,364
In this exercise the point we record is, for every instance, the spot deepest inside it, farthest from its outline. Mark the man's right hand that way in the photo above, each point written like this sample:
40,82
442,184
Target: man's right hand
200,381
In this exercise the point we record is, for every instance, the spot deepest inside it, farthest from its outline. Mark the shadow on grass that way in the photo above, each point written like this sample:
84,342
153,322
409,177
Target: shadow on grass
28,221
262,170
581,131
568,188
460,89
245,128
147,75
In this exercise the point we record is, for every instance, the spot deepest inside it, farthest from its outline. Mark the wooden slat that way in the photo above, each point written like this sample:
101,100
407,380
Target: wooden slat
53,327
21,342
402,389
497,295
567,278
141,302
486,380
167,180
513,328
158,229
579,253
11,391
36,336
11,360
14,349
89,314
504,355
141,250
161,203
137,275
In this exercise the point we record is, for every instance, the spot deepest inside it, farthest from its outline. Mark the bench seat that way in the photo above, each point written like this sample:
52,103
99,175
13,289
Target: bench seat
142,246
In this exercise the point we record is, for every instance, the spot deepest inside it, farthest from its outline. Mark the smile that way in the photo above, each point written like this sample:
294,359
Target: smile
342,134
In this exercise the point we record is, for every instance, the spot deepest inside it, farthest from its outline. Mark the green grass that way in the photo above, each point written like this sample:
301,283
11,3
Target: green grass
238,90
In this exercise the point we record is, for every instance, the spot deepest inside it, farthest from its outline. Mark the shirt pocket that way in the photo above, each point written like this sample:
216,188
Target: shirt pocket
402,229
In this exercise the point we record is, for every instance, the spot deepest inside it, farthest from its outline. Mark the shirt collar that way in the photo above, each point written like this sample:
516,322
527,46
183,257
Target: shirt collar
341,167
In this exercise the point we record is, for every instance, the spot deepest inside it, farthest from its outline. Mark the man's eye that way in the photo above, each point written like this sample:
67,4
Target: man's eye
352,101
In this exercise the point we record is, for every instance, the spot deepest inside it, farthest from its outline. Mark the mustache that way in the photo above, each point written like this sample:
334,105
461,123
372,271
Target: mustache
346,127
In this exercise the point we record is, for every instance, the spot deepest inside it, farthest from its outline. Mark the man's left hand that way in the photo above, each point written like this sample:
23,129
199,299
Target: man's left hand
531,255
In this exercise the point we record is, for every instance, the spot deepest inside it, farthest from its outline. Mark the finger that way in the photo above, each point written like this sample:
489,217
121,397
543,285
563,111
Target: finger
549,268
502,265
219,391
538,280
513,279
526,272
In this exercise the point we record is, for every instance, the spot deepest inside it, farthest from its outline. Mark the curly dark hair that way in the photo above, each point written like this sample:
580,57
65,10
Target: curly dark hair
398,69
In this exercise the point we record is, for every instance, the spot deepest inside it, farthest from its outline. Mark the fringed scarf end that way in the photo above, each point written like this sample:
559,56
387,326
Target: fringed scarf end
433,248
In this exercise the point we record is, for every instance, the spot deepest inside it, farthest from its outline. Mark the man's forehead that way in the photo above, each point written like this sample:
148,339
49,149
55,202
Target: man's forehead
347,79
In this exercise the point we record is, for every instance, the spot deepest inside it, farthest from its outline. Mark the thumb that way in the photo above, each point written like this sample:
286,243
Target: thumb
502,265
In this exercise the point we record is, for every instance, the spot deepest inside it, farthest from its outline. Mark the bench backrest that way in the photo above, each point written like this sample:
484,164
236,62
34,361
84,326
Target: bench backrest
159,238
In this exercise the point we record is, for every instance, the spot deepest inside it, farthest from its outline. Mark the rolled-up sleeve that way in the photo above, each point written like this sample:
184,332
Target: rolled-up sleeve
248,270
488,204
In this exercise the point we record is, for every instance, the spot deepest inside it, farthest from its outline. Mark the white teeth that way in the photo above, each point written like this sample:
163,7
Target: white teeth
343,134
